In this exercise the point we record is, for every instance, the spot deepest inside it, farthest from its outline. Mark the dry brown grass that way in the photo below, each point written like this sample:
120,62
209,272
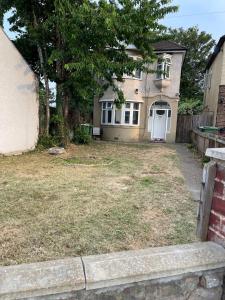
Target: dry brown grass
132,196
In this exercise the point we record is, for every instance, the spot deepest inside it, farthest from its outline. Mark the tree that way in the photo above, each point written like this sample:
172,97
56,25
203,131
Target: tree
199,45
82,44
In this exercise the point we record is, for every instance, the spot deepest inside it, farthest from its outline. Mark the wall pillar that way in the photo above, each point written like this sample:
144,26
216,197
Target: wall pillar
211,214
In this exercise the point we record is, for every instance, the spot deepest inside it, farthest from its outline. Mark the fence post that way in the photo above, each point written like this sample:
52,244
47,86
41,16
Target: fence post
208,177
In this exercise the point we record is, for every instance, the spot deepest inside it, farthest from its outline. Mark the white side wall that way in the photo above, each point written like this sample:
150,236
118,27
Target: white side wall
18,101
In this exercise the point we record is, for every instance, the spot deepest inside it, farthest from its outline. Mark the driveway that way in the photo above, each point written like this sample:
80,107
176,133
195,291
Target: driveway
191,169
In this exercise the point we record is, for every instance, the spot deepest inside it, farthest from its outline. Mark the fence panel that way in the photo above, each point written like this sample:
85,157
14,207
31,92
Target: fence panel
186,123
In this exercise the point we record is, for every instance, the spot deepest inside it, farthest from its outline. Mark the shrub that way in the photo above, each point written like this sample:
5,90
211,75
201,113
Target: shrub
190,106
82,135
45,142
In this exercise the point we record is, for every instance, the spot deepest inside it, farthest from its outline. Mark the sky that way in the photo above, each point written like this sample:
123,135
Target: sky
209,15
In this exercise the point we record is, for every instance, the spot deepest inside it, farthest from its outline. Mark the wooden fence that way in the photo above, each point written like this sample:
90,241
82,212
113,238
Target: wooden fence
186,123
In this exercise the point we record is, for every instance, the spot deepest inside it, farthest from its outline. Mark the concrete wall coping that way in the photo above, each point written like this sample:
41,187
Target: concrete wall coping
107,270
43,278
210,136
152,263
216,153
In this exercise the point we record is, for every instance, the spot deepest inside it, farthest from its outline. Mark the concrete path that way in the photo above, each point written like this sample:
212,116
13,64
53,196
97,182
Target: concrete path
191,169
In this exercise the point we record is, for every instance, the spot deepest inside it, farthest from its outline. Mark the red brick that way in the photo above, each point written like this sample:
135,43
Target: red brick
219,188
217,223
218,205
220,173
213,236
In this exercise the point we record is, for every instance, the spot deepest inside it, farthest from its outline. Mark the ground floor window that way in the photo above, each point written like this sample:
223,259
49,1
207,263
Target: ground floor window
129,114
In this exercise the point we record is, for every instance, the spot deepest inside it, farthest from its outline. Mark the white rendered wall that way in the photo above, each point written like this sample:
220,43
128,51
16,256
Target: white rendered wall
18,101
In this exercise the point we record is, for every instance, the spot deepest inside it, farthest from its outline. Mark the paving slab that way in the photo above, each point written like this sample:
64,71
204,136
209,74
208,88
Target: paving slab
191,169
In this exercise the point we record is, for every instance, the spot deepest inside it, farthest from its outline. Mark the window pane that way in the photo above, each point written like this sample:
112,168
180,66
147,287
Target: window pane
135,117
169,113
118,115
103,105
109,116
127,117
103,116
159,72
109,104
167,71
136,106
137,73
127,105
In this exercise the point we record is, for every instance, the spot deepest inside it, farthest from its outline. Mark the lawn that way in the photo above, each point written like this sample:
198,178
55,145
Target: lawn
93,199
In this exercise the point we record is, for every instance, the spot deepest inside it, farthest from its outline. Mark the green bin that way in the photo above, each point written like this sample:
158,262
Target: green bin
208,129
87,128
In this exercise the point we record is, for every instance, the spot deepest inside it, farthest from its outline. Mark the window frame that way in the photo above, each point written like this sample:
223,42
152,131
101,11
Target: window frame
163,68
105,110
134,74
124,109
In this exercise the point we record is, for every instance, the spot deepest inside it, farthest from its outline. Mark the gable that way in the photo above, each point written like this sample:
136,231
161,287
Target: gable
18,100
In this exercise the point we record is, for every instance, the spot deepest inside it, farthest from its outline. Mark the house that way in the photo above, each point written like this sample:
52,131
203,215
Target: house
214,96
18,101
150,111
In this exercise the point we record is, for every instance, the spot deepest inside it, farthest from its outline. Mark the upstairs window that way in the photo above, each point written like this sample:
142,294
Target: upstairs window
163,67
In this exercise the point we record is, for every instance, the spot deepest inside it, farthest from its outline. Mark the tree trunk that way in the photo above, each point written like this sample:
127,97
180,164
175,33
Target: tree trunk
62,102
46,80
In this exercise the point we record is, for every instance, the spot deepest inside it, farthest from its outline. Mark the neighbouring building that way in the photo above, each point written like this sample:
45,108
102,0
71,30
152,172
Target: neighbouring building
18,101
214,98
150,111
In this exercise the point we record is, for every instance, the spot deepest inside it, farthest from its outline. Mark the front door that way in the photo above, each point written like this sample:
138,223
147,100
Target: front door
159,124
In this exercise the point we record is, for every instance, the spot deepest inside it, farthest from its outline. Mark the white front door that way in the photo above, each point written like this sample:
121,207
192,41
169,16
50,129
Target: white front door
159,124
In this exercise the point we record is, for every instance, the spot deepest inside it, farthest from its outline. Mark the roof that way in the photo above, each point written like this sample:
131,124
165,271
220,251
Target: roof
217,49
162,46
168,46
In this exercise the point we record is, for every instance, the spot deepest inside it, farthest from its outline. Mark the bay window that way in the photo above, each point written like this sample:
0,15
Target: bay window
128,114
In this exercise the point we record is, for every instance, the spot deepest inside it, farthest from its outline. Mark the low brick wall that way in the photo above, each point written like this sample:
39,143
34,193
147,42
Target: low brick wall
216,230
193,271
211,216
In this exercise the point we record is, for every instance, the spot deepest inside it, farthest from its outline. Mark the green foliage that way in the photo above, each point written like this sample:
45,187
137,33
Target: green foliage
205,160
46,142
148,180
56,119
82,135
199,45
190,106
